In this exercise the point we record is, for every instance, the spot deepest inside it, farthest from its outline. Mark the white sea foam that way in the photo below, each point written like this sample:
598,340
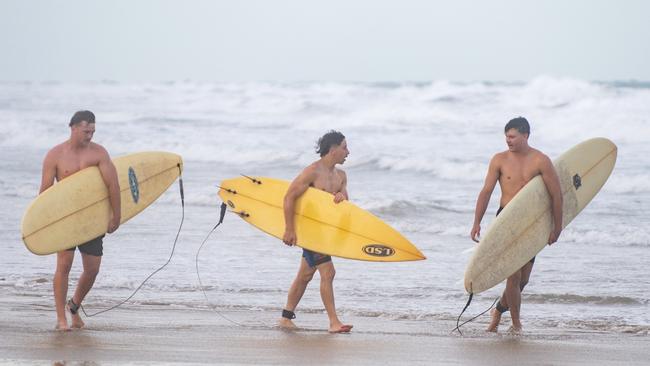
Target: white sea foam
419,153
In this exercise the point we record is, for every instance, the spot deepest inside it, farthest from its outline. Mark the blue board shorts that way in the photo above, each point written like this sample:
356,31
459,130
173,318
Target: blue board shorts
314,259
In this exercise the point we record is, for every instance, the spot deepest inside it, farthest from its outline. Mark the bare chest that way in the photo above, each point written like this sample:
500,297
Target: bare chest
70,163
331,183
514,176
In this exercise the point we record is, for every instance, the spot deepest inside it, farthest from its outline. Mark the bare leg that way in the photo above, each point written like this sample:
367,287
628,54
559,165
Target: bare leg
513,298
297,289
327,273
495,321
60,286
523,276
91,265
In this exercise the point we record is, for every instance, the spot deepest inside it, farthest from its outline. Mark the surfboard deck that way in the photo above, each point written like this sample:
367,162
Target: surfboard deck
341,230
522,228
76,209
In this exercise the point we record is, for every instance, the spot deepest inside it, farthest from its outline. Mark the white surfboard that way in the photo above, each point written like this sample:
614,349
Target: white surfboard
522,228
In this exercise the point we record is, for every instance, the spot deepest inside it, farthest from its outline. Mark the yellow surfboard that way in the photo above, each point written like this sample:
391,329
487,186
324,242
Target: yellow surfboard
76,209
522,229
342,230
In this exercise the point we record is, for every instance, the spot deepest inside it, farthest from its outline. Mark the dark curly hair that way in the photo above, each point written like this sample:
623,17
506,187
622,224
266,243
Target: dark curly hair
332,138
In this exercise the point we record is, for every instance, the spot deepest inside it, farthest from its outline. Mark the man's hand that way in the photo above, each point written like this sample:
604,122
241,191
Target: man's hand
339,197
555,234
476,233
289,237
113,224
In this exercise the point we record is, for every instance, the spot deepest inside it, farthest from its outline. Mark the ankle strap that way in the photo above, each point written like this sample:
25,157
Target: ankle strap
288,314
73,307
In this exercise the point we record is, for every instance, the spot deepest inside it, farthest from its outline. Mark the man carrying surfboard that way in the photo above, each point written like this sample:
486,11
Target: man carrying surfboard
63,160
322,174
514,168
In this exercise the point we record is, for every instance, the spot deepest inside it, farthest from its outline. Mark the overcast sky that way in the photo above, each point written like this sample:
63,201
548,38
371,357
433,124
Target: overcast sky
329,40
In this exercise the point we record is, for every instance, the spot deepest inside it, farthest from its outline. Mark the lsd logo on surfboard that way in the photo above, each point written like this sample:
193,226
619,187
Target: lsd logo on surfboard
378,250
133,183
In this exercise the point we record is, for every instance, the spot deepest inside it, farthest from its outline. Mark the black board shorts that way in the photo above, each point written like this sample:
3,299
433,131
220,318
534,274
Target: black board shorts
93,247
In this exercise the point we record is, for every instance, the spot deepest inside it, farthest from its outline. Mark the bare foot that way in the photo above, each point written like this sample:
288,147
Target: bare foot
286,324
494,323
515,330
62,325
340,328
77,323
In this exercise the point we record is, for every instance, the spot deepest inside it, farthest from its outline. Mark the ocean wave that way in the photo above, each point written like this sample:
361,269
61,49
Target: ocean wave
621,235
610,325
401,207
581,299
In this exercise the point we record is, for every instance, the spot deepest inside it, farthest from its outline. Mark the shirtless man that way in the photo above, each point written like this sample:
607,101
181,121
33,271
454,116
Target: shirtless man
323,175
77,153
513,168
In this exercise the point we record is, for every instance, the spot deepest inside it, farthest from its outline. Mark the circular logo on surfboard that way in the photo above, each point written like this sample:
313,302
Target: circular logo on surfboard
133,183
378,250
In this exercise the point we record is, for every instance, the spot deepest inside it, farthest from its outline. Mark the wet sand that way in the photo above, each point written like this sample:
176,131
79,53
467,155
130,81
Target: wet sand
139,334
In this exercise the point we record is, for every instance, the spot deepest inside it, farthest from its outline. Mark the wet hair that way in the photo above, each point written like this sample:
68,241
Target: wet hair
520,124
332,138
81,116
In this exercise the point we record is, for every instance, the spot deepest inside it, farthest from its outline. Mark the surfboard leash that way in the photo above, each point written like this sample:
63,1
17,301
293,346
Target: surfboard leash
182,193
222,214
469,301
242,214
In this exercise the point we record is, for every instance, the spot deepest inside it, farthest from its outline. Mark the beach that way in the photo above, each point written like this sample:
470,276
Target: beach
418,156
163,335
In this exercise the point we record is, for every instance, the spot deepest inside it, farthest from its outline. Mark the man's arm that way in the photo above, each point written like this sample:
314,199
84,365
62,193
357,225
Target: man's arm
109,175
342,194
484,197
552,182
49,171
296,189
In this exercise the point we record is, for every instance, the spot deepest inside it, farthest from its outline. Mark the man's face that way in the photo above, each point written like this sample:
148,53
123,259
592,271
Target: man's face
515,140
340,152
83,132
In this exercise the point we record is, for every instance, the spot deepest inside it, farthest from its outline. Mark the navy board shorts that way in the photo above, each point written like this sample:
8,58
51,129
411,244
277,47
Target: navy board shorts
498,212
314,259
93,247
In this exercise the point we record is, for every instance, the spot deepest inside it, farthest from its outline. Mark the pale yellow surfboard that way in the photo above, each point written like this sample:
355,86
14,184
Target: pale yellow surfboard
342,230
76,209
522,228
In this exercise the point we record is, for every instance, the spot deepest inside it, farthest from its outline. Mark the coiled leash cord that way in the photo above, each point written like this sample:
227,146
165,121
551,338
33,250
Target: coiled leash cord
180,185
222,214
469,301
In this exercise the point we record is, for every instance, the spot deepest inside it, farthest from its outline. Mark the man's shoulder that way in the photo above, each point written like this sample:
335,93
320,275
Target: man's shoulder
98,149
311,171
499,157
56,151
539,156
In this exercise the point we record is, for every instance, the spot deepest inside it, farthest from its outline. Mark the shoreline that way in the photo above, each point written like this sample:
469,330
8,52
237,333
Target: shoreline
153,334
